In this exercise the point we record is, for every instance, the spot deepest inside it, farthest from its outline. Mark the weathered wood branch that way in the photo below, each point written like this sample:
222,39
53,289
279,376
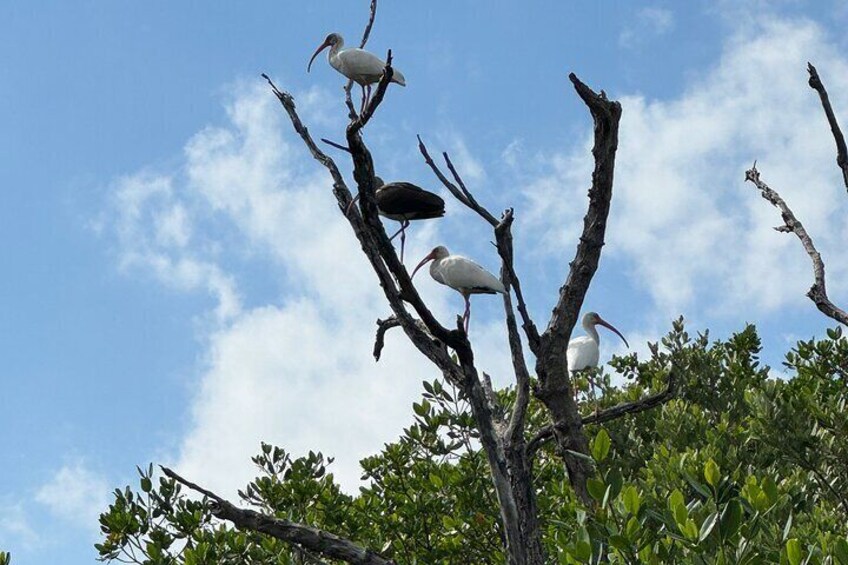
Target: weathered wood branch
841,149
310,539
466,376
382,327
555,386
512,438
372,14
817,292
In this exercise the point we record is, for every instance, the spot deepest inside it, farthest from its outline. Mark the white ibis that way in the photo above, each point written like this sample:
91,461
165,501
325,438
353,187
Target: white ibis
356,64
583,351
461,274
404,202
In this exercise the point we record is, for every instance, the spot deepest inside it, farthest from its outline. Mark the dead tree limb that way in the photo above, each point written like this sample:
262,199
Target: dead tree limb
817,292
841,150
466,375
614,412
555,386
310,539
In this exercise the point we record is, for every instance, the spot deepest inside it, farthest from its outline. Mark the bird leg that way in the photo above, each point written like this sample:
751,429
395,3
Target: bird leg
364,100
366,97
467,315
402,233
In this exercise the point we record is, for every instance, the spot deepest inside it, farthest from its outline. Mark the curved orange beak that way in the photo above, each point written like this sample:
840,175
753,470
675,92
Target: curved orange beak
606,324
320,48
430,256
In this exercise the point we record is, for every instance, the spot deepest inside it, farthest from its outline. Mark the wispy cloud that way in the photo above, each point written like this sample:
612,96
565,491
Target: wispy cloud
16,529
75,494
648,22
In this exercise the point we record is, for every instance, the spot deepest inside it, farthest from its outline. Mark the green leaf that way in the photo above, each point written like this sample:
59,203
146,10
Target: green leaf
601,445
770,489
436,480
596,488
675,499
707,526
731,519
691,529
631,499
793,551
840,551
712,473
681,515
583,551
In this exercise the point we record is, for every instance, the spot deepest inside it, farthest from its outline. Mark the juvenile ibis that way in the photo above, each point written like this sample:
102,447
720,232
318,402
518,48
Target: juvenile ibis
404,202
461,274
356,64
583,351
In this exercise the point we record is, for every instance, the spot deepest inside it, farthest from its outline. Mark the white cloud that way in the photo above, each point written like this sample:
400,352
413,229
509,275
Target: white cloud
16,530
683,219
648,21
75,494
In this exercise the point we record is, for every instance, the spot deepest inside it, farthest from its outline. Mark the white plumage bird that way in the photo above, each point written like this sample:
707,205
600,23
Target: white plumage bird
584,351
358,65
461,274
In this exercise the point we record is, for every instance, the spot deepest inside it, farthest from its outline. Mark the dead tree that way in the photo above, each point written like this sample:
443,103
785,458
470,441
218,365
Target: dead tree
503,435
791,224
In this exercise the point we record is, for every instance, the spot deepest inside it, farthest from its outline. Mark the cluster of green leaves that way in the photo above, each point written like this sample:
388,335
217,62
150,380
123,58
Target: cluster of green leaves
739,468
5,558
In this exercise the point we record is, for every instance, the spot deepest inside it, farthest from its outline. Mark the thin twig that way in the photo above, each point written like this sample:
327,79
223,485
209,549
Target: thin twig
336,145
371,16
817,292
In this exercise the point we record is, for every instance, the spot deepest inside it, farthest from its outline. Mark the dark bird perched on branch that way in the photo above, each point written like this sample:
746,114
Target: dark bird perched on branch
404,202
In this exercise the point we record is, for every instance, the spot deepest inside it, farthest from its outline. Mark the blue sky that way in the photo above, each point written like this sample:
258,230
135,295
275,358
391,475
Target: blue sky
178,285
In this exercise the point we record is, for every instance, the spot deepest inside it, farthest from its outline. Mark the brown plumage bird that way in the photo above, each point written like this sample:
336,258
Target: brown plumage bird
404,202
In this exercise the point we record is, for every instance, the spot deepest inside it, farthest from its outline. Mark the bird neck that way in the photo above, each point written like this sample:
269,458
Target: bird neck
592,332
335,49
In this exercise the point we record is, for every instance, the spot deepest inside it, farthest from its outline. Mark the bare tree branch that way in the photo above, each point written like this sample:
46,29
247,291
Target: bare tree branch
376,99
311,539
336,145
841,150
468,378
818,292
551,362
513,436
382,327
614,412
367,33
